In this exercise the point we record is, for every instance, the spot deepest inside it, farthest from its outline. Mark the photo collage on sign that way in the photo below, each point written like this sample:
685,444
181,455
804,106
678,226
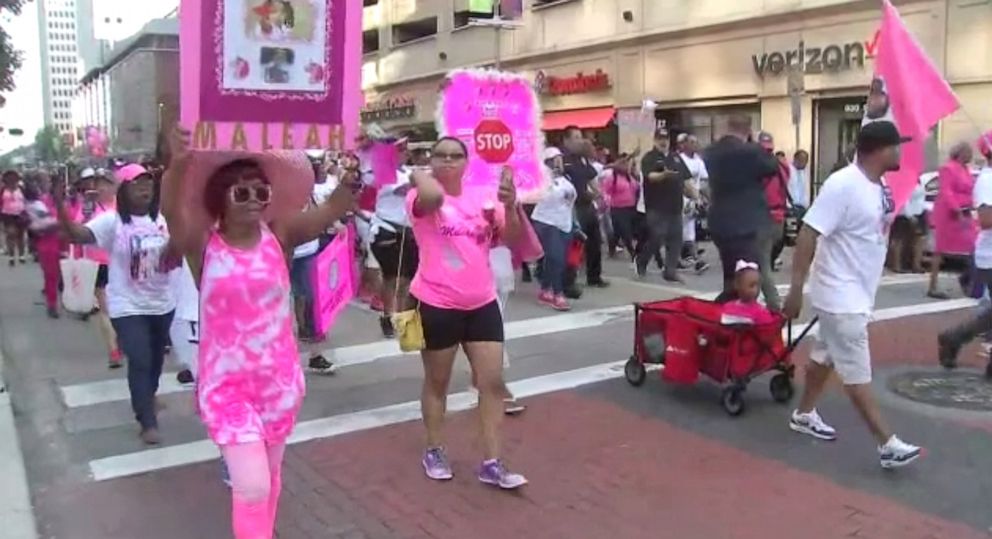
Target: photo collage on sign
274,45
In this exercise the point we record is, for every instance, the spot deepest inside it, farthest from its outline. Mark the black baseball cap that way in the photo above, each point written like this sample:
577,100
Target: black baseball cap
877,135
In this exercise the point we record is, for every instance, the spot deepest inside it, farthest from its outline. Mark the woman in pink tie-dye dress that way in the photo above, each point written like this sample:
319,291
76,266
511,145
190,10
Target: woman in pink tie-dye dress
238,224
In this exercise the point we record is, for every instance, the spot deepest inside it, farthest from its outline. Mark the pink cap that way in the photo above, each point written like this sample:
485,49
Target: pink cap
985,143
129,173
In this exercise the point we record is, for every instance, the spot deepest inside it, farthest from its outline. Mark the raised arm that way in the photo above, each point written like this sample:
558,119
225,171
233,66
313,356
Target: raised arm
430,194
74,232
507,195
310,224
171,206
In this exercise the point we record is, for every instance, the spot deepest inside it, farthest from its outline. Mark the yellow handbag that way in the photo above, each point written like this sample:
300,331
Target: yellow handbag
407,324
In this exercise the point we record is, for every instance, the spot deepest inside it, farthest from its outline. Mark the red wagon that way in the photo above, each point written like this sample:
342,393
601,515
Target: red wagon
687,337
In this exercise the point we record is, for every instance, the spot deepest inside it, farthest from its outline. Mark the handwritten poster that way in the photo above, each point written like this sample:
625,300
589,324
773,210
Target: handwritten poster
497,116
335,281
270,74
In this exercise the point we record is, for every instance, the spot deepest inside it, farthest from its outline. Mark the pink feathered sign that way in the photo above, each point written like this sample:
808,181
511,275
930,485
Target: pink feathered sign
497,116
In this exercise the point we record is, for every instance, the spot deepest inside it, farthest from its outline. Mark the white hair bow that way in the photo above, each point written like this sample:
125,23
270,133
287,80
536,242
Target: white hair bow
745,265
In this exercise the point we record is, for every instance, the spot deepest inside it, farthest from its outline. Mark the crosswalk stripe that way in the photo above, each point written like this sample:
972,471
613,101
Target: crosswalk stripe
91,393
204,450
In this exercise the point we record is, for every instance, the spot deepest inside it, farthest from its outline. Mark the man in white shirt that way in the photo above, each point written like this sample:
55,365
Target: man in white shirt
952,340
842,248
688,147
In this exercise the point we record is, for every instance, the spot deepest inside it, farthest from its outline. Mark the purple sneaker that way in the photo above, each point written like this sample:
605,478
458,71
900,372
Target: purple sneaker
493,472
436,464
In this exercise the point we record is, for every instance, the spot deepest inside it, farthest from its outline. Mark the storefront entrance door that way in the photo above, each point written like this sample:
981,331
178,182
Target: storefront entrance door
838,121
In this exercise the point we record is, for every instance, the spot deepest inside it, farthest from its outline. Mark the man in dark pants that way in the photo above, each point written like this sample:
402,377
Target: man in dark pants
738,210
665,177
582,174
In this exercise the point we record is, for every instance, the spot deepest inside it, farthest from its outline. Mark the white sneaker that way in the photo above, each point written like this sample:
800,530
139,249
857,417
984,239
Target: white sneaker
812,424
897,453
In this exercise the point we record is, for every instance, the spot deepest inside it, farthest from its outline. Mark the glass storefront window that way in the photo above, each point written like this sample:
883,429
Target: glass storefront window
708,123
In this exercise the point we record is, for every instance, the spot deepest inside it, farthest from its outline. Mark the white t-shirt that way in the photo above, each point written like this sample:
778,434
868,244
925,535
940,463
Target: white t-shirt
187,296
136,284
321,192
849,213
983,197
556,207
390,204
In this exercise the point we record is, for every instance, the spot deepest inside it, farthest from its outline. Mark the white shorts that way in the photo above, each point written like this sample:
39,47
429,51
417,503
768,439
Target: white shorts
185,335
842,343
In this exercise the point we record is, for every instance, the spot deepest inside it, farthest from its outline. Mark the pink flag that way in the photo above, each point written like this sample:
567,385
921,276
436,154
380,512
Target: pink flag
334,280
909,91
385,158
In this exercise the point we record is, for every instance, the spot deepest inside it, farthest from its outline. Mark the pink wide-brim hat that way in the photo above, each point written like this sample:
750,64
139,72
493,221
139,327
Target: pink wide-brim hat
289,172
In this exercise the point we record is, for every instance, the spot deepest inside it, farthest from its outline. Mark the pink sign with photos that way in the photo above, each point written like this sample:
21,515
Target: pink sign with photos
270,74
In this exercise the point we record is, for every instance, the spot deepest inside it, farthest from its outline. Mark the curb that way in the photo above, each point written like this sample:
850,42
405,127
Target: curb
16,512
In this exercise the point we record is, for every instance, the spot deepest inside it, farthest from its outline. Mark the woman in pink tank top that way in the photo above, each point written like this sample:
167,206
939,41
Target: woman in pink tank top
250,384
12,217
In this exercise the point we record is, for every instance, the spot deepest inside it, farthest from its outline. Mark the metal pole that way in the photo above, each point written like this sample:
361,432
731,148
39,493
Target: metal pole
499,43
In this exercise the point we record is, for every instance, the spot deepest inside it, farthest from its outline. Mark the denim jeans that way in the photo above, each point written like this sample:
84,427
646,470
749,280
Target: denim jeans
143,338
555,245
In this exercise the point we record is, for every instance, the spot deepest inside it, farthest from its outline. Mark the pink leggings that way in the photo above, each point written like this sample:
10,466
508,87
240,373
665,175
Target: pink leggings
256,481
49,253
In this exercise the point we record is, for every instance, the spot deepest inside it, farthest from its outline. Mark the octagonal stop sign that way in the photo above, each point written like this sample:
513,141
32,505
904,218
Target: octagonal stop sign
493,141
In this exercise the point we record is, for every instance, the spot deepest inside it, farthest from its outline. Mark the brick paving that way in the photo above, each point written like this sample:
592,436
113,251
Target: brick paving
597,468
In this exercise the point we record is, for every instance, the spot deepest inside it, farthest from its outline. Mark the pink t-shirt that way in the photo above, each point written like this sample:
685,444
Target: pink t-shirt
740,312
454,243
621,190
12,202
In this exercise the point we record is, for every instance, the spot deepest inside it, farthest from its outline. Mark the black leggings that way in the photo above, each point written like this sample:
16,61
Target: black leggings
623,228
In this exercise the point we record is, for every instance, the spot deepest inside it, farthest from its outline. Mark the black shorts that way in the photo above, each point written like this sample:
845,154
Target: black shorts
445,328
102,276
386,249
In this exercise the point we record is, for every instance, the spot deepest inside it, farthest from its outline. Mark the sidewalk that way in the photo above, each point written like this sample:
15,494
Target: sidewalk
16,515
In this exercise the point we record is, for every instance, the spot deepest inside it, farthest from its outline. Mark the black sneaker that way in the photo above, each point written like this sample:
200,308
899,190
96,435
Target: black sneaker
947,351
53,313
185,378
320,365
386,324
599,283
573,293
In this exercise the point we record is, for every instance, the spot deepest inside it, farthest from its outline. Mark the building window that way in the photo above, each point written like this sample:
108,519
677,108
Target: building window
370,41
462,18
413,30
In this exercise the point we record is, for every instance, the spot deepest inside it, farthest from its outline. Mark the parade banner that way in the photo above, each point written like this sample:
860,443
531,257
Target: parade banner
260,75
497,116
335,282
909,91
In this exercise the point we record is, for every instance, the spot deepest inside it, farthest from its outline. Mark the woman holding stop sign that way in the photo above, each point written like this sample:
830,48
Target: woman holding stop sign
455,226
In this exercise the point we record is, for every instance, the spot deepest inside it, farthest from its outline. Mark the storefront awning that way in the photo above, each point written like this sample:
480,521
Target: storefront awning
583,118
